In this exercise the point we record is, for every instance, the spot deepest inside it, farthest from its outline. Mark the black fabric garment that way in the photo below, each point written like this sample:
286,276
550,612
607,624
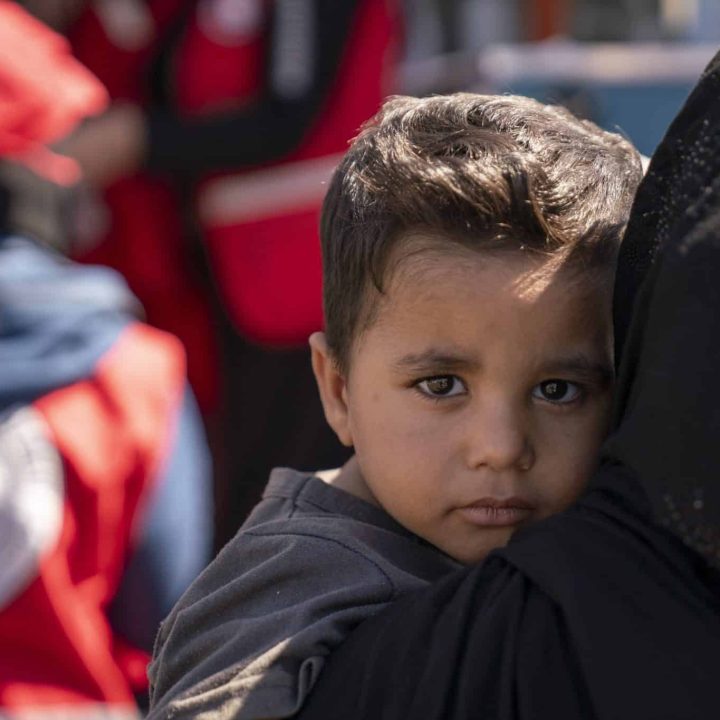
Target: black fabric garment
668,406
670,196
314,33
610,610
267,388
593,614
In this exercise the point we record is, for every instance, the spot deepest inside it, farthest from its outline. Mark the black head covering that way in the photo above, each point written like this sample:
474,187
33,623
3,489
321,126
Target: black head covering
668,398
673,195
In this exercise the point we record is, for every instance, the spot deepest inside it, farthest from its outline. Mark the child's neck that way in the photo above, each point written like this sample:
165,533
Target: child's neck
350,479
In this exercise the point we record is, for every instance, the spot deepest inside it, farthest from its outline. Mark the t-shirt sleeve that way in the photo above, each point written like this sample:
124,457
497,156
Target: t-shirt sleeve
250,636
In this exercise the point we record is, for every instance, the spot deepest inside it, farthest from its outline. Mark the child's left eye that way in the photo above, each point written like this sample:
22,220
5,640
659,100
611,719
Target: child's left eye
560,392
441,386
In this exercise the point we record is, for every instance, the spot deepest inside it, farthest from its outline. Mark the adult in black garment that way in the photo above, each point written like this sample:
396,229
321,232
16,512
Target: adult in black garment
612,608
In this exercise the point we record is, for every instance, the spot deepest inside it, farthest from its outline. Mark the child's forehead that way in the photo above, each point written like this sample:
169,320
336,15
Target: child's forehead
428,258
425,257
472,309
426,274
430,275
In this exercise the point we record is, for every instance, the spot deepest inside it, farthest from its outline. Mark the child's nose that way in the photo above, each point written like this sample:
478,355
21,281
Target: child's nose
498,438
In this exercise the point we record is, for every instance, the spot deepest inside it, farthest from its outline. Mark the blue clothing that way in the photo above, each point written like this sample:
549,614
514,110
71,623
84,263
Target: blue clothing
58,319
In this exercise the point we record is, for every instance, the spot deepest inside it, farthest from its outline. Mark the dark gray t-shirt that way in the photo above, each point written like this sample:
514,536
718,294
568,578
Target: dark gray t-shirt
250,636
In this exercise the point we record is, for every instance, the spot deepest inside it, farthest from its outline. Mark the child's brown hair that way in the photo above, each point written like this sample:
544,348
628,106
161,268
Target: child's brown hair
487,172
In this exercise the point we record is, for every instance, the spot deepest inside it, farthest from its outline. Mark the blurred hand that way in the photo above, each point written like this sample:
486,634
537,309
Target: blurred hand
35,207
109,146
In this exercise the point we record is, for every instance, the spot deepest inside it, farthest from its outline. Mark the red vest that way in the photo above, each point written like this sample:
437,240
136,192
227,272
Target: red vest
144,236
259,226
109,434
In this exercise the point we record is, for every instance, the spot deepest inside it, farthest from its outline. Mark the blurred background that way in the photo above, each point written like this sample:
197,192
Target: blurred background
160,270
626,64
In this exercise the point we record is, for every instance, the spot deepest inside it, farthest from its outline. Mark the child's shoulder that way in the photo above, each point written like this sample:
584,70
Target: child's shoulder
303,518
304,510
308,547
309,564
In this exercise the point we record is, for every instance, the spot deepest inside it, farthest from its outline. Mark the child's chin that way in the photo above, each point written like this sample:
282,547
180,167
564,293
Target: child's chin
474,553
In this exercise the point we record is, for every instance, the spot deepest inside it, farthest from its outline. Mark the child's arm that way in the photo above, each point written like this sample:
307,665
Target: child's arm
250,636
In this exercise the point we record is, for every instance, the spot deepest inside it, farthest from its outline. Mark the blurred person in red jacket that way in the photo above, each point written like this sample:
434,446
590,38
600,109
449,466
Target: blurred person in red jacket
105,510
228,117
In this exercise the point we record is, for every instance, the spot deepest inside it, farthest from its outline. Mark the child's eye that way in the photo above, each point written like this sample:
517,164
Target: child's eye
560,392
441,386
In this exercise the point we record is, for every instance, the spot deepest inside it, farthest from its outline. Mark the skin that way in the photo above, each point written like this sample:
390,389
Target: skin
109,146
113,144
58,14
477,400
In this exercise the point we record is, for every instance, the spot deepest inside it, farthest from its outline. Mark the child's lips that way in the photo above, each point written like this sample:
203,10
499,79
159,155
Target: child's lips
494,512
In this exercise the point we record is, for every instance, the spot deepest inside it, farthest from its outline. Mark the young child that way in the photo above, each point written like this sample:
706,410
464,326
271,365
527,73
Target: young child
468,247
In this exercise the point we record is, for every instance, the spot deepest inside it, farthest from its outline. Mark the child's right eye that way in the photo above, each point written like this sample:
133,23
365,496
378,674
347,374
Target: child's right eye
440,386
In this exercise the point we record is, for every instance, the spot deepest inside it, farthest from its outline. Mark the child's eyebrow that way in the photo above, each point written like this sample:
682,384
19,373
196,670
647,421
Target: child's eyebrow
580,365
433,360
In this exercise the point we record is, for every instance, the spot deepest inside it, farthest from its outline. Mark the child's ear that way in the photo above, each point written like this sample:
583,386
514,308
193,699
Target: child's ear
331,385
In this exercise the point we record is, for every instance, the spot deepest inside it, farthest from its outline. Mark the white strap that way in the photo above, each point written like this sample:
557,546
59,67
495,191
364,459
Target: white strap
266,193
31,498
89,711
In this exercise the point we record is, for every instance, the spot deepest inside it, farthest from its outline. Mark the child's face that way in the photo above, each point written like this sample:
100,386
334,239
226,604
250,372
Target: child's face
478,398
